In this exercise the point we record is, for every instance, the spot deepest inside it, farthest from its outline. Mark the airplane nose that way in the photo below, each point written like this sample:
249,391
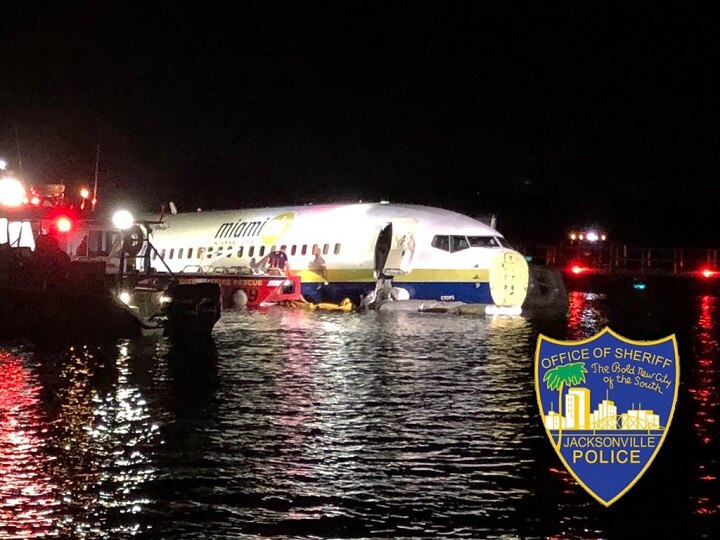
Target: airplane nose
508,277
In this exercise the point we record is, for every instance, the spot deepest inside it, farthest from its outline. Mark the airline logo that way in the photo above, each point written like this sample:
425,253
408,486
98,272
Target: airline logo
276,227
607,403
269,230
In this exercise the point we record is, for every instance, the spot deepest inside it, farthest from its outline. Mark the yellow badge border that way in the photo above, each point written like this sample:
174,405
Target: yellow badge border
607,330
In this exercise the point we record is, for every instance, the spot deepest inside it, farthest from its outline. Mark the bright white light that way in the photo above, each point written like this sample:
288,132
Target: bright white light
12,192
592,236
122,219
3,164
502,310
84,193
124,297
603,237
573,236
165,299
63,224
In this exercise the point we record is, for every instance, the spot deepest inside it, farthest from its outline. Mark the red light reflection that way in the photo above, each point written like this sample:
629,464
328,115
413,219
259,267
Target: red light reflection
704,390
586,314
27,495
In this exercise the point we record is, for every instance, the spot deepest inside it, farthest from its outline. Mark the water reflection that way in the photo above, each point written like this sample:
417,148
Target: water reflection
94,432
381,423
704,390
294,423
29,497
587,314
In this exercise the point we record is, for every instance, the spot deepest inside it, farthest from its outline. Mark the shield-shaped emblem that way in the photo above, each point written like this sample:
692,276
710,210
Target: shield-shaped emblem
607,403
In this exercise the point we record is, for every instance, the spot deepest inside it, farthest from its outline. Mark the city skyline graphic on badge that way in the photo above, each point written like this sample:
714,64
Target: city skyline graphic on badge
606,403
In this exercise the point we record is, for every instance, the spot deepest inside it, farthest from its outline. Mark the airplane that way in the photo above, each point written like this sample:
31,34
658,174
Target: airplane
342,250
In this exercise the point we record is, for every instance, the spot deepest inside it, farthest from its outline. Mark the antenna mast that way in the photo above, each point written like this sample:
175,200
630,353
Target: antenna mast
17,144
97,164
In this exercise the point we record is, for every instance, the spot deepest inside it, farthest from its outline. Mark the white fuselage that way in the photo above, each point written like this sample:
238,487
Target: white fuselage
339,250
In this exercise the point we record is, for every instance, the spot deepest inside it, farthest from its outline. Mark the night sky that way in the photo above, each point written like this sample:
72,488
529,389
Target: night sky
549,118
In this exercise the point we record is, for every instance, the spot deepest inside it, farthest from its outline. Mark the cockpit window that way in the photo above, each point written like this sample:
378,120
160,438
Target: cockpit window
458,243
453,244
441,242
502,241
484,241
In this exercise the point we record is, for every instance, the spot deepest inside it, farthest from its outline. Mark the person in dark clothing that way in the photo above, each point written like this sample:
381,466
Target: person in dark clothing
82,249
279,259
53,261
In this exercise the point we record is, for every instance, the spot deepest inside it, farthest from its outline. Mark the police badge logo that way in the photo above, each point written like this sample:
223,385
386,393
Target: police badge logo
607,403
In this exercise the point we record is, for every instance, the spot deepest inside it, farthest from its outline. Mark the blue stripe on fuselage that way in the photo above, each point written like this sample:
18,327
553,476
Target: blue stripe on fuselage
470,293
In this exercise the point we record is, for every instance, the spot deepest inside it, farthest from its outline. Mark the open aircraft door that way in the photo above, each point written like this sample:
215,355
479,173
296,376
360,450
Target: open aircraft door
395,248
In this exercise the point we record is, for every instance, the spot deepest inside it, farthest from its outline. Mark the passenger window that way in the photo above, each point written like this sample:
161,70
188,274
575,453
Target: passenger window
172,252
240,251
180,252
154,255
337,249
458,243
190,250
162,254
326,249
251,251
229,253
293,249
441,242
303,251
315,250
209,253
262,251
201,253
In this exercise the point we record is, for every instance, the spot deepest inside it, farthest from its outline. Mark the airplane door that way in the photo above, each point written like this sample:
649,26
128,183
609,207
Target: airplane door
395,248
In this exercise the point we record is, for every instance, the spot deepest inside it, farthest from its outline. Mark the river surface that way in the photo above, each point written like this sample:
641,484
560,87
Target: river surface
294,424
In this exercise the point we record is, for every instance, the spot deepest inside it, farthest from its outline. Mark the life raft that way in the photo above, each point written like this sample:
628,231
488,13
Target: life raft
345,305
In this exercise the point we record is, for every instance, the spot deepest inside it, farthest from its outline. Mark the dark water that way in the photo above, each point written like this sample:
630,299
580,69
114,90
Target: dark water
296,424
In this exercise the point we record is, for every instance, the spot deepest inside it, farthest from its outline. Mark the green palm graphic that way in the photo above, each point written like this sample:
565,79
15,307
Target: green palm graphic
557,377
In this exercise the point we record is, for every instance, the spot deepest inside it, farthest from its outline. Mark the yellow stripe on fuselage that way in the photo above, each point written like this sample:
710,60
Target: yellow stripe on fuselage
472,275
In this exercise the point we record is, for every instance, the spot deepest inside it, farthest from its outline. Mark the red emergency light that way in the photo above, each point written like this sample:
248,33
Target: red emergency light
61,221
63,224
707,272
577,268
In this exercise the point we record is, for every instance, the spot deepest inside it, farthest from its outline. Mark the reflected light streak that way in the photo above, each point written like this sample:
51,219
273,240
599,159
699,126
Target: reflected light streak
102,434
704,390
586,316
28,497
